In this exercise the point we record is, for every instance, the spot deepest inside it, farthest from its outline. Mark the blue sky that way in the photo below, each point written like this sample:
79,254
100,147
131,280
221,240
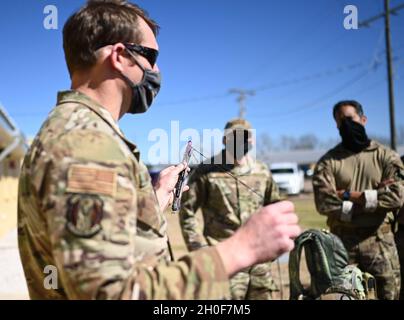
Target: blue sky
297,52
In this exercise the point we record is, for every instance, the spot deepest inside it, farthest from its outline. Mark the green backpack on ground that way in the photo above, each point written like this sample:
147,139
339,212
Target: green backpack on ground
331,276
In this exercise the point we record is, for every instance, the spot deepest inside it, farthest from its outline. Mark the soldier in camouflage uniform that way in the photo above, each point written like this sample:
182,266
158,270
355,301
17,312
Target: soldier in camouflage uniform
357,186
226,205
86,205
400,242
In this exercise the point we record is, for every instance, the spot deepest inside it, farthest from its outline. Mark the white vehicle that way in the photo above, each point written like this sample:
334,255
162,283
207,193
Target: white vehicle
288,177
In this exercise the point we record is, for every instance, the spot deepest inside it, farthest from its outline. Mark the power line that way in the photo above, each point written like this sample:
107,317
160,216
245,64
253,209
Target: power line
195,99
261,88
290,40
313,76
277,116
371,67
314,103
366,23
357,93
308,80
272,85
287,94
394,11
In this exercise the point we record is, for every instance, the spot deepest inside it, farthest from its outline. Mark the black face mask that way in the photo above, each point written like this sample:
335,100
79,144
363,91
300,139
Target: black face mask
353,135
145,91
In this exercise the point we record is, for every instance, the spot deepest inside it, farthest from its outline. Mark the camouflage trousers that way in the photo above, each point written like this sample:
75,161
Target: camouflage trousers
254,283
375,251
400,248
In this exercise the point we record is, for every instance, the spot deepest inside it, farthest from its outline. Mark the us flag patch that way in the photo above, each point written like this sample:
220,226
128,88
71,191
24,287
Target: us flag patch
92,180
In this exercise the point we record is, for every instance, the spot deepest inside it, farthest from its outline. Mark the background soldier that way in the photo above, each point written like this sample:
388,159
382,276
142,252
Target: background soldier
357,185
86,204
400,242
226,204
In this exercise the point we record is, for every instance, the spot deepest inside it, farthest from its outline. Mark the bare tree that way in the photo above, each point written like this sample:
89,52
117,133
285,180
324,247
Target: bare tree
400,135
287,143
264,147
307,142
310,141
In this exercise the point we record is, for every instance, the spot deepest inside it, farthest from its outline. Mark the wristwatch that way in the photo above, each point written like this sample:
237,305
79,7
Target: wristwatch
346,195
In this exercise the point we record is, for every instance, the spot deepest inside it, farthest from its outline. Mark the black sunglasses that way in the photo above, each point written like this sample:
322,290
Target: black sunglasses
149,53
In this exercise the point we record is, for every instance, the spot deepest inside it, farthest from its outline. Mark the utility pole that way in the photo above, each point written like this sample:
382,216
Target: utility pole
390,74
386,16
242,97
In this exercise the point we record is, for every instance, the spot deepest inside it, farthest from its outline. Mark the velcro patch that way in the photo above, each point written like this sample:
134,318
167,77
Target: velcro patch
84,215
85,179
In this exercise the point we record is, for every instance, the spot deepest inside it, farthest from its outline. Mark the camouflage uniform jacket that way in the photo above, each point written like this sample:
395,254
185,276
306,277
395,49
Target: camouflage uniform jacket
87,207
225,203
340,169
400,214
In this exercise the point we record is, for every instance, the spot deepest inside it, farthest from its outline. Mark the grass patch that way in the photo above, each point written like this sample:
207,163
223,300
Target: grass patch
308,215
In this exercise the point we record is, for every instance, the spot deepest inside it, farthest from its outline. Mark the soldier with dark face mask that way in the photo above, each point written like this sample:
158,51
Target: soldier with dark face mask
227,204
357,185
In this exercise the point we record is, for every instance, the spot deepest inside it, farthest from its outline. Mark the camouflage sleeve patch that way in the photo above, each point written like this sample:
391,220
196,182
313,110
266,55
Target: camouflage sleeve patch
88,179
84,215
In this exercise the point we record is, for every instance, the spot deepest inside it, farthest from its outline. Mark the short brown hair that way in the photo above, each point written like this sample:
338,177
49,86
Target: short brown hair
238,123
358,107
100,23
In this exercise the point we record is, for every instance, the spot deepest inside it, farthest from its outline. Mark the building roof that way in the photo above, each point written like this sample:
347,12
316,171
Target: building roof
305,157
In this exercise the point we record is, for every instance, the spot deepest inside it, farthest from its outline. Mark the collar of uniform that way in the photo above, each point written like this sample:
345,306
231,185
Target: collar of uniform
373,146
236,169
73,96
245,168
